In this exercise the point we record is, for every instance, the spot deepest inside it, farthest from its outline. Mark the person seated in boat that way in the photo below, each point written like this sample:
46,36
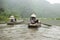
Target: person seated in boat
12,19
15,19
33,19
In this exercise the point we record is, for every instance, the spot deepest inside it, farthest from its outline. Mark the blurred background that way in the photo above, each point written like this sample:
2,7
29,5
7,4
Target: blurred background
44,9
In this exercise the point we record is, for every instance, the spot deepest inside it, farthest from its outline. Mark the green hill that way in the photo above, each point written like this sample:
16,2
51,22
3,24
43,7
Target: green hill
24,8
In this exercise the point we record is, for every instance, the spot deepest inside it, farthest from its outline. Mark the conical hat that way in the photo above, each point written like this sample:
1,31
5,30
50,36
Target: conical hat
11,17
33,15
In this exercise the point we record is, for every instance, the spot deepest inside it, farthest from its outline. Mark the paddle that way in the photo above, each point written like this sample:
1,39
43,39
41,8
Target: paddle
46,24
42,23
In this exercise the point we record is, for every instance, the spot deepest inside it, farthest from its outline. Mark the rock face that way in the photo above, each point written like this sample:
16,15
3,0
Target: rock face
22,32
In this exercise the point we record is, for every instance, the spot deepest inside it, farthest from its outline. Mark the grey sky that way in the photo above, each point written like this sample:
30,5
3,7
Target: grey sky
53,1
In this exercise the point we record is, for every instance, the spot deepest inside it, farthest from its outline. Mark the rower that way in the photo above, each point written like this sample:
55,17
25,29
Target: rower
12,19
33,19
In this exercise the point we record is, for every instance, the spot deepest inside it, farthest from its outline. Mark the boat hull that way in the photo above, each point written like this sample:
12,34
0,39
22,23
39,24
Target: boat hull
14,23
34,25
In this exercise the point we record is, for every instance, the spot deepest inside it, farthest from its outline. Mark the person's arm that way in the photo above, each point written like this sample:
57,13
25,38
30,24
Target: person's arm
39,21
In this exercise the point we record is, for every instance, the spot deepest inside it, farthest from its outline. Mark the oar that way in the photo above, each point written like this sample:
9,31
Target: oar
42,23
46,24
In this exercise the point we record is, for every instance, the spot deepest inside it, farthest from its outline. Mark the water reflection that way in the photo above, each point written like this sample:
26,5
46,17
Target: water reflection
33,30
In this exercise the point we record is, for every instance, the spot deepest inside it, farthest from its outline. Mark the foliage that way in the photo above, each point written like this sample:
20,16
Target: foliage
24,8
57,18
4,15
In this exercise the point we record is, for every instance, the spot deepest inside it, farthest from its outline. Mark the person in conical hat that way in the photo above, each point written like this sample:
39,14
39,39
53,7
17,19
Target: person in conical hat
12,18
33,18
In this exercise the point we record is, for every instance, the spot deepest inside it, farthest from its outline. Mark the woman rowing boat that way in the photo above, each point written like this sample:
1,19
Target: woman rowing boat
34,22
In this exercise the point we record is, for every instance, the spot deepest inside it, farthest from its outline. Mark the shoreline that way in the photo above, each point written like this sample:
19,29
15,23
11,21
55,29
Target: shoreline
50,22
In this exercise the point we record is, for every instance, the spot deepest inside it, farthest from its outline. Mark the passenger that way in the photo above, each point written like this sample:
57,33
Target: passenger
15,19
36,21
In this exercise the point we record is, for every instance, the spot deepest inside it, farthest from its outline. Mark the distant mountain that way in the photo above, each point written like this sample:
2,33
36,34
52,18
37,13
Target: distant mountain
24,8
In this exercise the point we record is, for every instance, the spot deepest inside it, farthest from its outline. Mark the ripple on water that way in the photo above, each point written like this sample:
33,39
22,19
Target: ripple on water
22,32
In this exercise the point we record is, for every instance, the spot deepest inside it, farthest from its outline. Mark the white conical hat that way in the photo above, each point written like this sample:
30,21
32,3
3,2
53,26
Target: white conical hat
11,17
33,15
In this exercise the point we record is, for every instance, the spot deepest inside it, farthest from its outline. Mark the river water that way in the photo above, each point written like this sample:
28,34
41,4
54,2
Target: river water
22,32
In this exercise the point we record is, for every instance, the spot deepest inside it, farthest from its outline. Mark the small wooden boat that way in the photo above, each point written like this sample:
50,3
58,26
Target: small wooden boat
15,23
36,25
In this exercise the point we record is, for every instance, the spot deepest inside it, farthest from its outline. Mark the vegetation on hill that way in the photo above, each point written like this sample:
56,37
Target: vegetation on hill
24,8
